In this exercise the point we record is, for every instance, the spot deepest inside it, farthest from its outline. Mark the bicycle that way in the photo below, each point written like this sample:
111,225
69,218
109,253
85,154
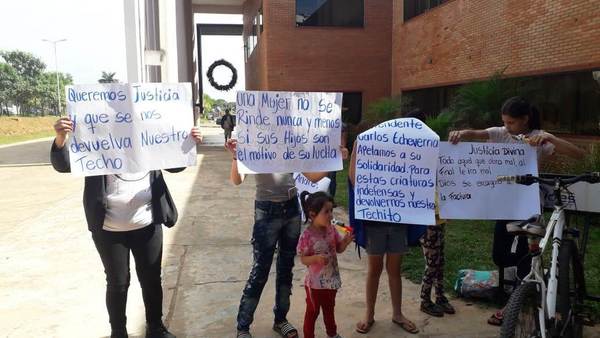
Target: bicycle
547,303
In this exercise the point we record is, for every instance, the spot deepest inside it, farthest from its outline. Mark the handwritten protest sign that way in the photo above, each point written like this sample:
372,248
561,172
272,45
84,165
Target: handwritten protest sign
583,196
284,132
128,128
304,184
468,185
395,172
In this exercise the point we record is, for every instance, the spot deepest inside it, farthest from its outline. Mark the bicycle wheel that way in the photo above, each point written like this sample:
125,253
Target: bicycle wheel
571,291
521,313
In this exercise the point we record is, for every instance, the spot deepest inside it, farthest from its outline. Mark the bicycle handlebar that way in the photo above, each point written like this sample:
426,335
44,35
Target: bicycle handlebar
592,178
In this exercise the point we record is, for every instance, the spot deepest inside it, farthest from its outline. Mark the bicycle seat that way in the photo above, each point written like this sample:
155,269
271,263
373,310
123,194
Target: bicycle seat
533,226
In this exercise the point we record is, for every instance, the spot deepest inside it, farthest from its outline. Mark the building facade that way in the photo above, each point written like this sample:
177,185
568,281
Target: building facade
429,47
371,49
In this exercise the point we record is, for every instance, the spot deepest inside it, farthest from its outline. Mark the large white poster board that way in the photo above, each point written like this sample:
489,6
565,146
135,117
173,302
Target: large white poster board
468,185
286,132
129,128
395,172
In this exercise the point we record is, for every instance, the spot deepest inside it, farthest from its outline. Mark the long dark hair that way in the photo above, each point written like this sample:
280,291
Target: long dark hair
417,113
518,107
314,202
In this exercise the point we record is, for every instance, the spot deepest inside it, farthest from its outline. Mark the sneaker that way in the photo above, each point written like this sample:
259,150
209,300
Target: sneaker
445,305
160,331
432,309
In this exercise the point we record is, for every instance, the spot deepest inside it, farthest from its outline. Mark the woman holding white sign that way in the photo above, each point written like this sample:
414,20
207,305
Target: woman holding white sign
521,124
276,224
125,213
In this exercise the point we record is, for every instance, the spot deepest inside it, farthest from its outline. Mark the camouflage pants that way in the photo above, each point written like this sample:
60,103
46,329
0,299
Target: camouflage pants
433,250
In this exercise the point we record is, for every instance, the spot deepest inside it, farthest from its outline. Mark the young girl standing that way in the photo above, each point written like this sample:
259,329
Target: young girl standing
521,124
317,248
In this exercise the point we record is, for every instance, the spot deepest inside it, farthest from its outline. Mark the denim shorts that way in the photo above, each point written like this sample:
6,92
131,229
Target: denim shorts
385,238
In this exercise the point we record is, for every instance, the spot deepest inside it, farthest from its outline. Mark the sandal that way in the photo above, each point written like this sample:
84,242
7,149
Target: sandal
243,334
407,326
366,329
285,329
496,318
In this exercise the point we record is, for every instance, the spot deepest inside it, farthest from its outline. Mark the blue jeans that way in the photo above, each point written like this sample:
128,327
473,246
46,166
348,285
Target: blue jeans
275,224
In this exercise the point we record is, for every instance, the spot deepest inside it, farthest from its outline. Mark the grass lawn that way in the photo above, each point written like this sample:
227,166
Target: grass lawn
469,246
16,129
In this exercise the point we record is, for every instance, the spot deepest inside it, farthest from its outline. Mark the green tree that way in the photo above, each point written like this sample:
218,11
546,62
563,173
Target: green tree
25,64
207,105
29,68
108,77
46,98
478,104
8,85
221,105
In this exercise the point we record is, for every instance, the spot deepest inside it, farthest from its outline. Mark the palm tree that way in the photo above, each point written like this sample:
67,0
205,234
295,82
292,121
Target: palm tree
108,78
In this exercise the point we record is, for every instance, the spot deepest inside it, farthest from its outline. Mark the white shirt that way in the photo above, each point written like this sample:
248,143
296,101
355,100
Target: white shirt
501,135
129,198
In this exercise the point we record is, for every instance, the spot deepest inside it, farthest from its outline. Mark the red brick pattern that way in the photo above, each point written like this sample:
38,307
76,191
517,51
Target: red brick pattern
256,68
464,40
323,58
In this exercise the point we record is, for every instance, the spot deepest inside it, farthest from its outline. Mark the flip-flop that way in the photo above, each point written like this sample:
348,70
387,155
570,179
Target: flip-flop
367,328
407,326
285,329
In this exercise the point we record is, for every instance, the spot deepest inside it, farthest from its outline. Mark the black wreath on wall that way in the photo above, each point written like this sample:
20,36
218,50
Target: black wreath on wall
211,79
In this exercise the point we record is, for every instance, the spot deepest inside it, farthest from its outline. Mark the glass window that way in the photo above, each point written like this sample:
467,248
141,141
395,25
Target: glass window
347,13
260,19
568,103
352,107
251,40
413,8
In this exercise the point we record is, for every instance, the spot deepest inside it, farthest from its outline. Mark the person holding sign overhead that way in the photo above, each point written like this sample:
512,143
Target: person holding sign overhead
432,243
521,124
277,224
125,213
389,241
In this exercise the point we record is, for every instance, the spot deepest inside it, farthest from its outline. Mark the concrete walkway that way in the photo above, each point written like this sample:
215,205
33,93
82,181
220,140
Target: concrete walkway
52,283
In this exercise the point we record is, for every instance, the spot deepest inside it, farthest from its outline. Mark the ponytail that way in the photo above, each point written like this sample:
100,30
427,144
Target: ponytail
313,202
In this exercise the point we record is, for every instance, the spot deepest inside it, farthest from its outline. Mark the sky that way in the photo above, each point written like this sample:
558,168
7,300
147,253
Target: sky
95,39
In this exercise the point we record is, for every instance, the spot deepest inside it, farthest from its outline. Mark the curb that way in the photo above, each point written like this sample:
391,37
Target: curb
27,142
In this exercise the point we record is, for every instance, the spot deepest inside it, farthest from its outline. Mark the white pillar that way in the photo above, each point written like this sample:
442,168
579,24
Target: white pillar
134,40
175,40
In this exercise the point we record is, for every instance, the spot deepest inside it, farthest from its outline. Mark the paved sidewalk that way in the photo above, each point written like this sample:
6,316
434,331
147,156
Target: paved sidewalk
52,283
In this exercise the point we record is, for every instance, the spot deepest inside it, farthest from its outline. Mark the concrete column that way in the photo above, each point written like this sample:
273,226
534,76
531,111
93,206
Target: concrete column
134,39
176,27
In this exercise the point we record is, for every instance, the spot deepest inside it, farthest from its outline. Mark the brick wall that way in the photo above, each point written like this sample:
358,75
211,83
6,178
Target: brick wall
464,40
256,68
324,58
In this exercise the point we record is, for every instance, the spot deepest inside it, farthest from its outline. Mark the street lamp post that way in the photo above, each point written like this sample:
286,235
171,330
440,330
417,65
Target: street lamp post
54,42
